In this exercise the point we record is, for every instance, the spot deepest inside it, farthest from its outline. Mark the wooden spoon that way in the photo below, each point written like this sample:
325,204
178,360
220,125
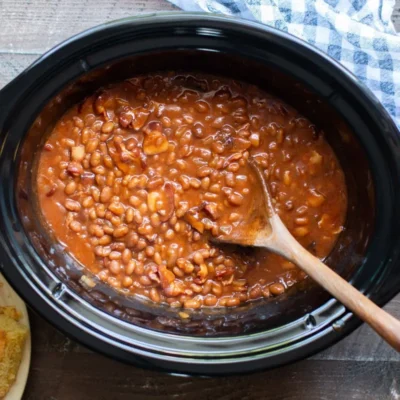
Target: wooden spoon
264,228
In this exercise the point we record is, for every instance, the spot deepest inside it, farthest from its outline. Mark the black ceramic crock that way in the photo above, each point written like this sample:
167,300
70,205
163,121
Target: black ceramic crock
262,334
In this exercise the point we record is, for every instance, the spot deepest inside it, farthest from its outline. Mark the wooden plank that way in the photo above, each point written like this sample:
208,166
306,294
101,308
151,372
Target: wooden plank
35,26
90,376
13,64
362,345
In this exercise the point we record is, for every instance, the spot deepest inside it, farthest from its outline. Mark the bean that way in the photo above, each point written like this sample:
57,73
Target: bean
155,182
88,202
100,208
233,167
155,220
127,282
230,179
316,199
108,162
184,181
166,122
106,194
205,183
108,127
120,231
139,268
86,132
217,147
115,255
145,280
141,244
74,168
236,199
72,205
67,142
302,221
276,289
145,229
233,302
254,139
100,180
157,258
129,215
203,171
155,295
70,187
137,217
117,208
215,188
222,302
132,239
114,267
109,230
103,275
169,234
134,201
149,251
201,106
130,267
95,159
301,231
96,230
92,145
192,303
195,183
255,292
210,300
75,226
172,256
78,122
198,258
217,289
182,164
115,220
178,272
104,240
301,210
189,267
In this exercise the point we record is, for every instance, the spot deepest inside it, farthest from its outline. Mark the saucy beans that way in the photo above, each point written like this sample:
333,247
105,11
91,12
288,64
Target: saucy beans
135,179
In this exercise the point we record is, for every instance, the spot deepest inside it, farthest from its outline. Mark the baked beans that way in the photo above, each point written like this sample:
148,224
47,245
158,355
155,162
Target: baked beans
135,179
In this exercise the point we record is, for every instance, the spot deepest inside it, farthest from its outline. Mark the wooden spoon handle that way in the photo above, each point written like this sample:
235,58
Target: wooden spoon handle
383,323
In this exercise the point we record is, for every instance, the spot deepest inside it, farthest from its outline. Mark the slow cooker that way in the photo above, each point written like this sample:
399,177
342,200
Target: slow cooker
261,334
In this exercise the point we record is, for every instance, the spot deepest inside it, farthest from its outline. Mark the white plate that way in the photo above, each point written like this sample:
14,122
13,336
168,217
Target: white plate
9,298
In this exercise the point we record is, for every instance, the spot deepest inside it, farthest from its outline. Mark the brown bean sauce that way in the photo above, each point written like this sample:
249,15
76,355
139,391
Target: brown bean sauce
135,179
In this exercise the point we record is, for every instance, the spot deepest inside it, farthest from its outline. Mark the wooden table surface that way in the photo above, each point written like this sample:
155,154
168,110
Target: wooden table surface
360,367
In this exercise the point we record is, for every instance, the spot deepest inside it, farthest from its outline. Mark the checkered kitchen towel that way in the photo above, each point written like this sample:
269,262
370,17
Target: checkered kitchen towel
358,33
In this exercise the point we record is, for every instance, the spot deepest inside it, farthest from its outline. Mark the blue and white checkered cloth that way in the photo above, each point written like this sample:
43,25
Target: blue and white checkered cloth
357,33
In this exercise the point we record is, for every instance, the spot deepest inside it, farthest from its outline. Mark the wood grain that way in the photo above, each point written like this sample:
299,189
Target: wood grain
62,370
361,366
42,24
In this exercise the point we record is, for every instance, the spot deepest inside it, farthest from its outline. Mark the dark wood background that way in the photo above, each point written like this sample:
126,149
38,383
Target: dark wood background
360,367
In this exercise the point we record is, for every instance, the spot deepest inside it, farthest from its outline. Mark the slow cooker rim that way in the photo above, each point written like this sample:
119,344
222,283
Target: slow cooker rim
87,33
